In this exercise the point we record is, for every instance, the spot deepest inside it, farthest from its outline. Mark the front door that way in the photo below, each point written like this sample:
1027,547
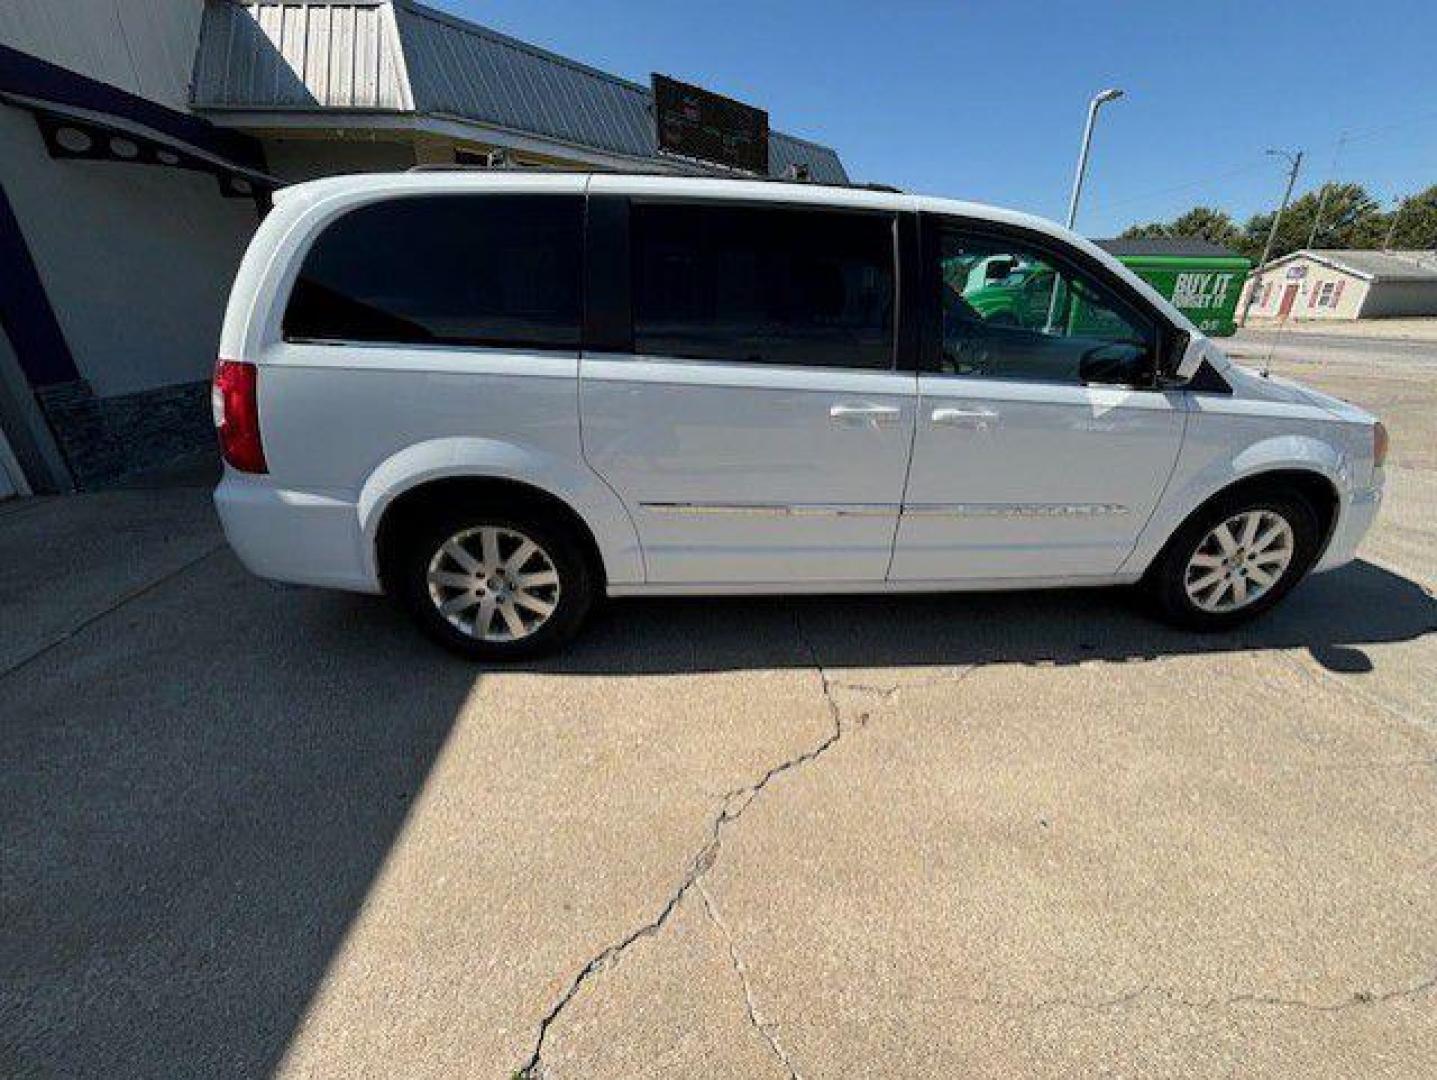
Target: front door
1289,294
758,433
1023,467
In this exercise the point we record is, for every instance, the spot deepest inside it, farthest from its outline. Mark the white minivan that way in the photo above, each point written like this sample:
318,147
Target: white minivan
499,395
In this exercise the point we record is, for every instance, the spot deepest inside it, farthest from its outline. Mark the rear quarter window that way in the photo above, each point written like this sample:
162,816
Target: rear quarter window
490,270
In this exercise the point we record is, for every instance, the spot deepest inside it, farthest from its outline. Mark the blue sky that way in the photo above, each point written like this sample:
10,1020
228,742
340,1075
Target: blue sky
986,100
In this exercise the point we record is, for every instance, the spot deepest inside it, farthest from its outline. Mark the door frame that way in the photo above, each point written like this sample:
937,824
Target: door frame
608,351
929,310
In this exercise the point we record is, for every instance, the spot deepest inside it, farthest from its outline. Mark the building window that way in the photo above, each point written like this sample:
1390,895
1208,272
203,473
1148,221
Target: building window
495,270
1327,295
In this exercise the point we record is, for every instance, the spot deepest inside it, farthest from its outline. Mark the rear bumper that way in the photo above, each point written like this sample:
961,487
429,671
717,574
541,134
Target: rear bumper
1353,521
305,538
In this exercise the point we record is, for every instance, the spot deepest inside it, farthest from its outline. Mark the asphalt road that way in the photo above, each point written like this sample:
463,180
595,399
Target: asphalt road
253,831
1361,350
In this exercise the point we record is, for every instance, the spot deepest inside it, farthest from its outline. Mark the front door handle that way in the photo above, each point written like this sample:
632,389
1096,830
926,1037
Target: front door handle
865,413
970,419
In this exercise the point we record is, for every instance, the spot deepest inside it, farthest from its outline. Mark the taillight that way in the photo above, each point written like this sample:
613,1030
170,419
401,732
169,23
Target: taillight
235,398
1379,444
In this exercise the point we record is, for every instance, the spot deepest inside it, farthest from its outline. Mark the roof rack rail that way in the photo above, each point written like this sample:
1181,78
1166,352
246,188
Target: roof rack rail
512,166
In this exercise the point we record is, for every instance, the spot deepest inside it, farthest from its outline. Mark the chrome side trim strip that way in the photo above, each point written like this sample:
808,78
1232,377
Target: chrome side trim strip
773,509
971,510
1014,510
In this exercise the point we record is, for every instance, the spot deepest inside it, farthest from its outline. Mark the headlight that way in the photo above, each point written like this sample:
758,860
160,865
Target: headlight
1379,444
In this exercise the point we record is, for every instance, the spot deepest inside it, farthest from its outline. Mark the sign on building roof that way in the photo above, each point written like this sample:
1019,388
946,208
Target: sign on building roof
699,124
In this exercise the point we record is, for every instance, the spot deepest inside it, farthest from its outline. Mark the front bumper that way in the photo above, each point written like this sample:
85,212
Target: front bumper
305,538
1354,519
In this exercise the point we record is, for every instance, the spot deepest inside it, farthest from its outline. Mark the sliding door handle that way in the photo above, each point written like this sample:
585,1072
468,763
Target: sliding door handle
970,419
867,414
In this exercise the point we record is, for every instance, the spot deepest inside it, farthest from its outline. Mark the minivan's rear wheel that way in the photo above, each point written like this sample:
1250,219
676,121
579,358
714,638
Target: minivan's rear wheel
1235,559
495,587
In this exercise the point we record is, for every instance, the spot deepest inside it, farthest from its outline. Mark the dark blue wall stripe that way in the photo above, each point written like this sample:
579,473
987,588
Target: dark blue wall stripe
25,309
21,73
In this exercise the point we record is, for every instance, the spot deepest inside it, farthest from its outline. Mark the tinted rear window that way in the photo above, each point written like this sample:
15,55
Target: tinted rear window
499,270
764,285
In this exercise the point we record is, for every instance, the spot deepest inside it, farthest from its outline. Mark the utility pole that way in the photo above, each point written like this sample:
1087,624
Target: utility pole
1296,160
1317,217
1398,205
1326,188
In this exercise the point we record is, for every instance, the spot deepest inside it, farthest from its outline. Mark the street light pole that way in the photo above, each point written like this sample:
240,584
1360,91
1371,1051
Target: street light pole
1098,101
1296,160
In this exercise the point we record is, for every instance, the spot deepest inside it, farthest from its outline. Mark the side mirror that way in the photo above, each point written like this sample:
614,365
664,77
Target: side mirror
1191,355
998,269
1118,364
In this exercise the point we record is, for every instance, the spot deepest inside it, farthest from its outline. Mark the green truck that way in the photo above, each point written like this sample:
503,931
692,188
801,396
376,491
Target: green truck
1201,279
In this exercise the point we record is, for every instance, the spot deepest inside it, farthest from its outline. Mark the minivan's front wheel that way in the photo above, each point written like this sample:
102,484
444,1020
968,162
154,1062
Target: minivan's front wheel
495,587
1235,559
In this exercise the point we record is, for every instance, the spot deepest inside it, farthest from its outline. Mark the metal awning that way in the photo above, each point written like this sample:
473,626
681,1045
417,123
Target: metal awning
90,135
328,64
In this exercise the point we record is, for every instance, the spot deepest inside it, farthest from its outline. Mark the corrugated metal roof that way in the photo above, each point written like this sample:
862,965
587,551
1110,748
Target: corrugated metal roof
399,56
1187,247
263,55
1380,265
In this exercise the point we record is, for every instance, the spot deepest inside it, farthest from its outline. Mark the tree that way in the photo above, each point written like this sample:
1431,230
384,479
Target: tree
1415,222
1214,226
1351,218
1205,222
1152,228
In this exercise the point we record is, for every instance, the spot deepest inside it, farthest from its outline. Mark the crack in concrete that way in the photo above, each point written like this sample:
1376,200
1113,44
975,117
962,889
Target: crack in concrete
888,693
733,805
119,602
1322,677
768,1030
1359,999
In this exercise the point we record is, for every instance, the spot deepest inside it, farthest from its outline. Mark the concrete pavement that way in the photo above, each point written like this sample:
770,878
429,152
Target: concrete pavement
254,831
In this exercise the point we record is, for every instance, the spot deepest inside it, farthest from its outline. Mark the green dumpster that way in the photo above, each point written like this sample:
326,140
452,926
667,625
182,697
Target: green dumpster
1201,279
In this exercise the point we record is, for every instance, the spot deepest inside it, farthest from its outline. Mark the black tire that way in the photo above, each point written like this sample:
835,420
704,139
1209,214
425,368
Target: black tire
1167,580
409,582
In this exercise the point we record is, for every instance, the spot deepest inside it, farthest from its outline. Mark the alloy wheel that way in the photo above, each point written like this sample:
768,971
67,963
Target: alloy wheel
1239,561
493,584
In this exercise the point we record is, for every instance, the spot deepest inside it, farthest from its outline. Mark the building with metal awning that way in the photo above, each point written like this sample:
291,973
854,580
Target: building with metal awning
419,85
141,140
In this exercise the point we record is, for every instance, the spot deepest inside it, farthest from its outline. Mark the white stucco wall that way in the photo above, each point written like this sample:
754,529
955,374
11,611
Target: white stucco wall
1347,305
137,260
146,47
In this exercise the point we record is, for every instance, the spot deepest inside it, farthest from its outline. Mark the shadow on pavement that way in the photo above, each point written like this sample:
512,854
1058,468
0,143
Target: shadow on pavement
1332,615
199,791
201,788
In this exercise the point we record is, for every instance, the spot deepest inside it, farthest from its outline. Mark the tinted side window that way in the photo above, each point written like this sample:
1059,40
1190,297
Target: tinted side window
1012,310
778,286
445,269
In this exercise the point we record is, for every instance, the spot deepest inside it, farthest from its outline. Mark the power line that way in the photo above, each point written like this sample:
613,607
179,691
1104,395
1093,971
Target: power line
1338,145
1204,182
